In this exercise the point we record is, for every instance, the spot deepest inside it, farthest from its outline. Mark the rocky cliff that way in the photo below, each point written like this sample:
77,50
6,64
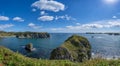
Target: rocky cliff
75,48
32,35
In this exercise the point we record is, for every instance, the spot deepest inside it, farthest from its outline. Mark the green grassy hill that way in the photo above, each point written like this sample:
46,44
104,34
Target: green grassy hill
10,58
76,48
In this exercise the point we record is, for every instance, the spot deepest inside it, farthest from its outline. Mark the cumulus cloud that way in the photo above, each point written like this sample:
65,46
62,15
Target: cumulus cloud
4,18
18,19
43,13
66,17
101,24
4,26
114,24
92,26
34,26
49,5
46,18
114,17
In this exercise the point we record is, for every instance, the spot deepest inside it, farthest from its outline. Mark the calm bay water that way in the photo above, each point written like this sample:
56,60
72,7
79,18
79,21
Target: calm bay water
107,46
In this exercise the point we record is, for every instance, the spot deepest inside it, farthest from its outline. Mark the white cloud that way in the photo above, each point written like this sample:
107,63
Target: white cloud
4,18
33,10
49,5
93,26
114,24
114,17
34,26
69,27
43,13
98,24
19,19
78,24
66,17
4,26
88,26
54,29
46,18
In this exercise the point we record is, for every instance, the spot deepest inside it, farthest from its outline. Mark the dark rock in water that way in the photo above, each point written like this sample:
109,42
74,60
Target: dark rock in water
29,47
75,48
92,36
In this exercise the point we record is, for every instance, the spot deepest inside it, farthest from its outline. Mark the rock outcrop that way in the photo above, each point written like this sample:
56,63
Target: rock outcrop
75,48
60,53
29,47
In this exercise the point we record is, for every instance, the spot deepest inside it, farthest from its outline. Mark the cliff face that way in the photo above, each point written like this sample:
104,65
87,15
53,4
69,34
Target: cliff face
61,53
32,35
75,48
25,34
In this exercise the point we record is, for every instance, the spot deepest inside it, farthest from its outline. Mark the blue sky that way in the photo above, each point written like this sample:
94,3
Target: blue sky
60,15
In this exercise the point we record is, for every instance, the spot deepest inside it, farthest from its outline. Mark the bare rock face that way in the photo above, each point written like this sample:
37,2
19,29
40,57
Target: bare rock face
60,53
75,48
32,35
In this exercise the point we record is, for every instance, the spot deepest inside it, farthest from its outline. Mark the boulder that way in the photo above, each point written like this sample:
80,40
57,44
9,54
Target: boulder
75,48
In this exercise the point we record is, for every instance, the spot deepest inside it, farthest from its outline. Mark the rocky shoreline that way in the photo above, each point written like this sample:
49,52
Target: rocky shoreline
24,34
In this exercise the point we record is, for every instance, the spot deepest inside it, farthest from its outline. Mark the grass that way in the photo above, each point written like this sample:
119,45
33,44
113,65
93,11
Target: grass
10,58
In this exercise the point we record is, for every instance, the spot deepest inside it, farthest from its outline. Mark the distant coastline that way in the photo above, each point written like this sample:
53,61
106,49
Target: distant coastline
4,34
109,33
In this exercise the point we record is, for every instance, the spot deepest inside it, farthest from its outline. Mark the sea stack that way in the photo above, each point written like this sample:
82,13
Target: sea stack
29,47
75,48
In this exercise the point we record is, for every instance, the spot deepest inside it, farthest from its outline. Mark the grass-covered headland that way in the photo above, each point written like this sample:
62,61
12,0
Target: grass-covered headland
76,48
10,58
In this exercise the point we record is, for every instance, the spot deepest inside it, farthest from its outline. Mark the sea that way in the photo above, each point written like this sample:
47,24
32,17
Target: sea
103,45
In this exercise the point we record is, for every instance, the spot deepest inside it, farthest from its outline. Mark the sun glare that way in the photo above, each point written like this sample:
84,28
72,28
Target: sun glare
110,1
